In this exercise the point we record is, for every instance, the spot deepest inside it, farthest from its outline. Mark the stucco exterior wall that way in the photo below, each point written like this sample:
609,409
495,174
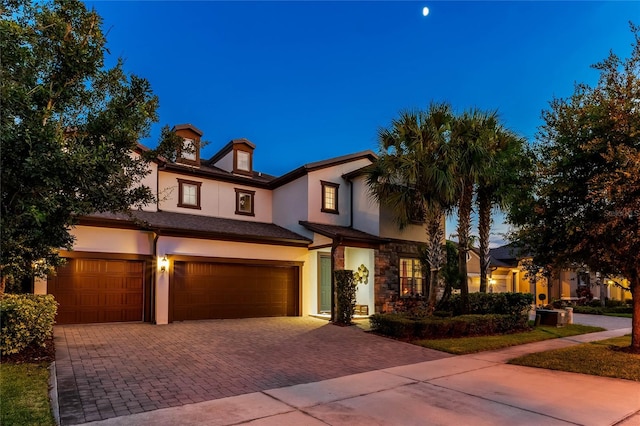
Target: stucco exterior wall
389,228
366,213
210,248
289,206
226,162
151,181
333,175
109,240
353,258
216,198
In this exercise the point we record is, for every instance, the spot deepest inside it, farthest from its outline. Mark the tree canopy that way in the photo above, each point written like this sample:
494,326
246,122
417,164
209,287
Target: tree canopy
413,175
583,205
69,126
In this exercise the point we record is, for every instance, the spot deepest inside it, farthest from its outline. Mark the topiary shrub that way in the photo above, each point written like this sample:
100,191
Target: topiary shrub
26,319
345,295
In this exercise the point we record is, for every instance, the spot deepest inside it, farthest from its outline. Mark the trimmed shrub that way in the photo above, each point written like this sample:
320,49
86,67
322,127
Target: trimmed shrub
609,303
594,303
401,327
619,310
587,310
600,311
26,319
346,296
491,303
393,325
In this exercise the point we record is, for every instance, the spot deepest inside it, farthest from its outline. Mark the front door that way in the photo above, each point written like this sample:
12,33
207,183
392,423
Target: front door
324,284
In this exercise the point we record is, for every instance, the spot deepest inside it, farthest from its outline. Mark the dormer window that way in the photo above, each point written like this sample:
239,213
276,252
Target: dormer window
244,161
188,151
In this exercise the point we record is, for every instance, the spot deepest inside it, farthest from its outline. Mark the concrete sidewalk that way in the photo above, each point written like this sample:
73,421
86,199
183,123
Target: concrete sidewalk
478,389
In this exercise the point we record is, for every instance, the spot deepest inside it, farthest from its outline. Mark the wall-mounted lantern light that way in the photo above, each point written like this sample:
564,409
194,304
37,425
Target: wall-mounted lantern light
164,264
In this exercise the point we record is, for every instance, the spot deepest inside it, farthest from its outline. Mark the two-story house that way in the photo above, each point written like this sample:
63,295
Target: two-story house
227,241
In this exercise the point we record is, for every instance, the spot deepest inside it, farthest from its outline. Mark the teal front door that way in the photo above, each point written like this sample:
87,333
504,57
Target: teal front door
324,284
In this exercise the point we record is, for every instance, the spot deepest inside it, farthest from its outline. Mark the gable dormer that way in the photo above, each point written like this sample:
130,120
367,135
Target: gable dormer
236,157
190,152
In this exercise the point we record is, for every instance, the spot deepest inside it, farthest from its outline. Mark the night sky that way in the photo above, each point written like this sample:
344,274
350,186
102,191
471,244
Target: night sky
306,81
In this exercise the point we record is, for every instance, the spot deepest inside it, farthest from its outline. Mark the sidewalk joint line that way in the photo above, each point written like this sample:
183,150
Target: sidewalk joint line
505,404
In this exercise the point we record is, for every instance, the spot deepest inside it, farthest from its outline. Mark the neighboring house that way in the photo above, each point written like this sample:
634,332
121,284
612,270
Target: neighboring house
226,241
507,274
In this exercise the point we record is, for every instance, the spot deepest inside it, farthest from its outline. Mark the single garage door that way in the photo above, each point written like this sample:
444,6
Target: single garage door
98,290
221,290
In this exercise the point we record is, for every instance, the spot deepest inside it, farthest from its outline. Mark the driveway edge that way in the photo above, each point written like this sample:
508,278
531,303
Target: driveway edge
53,392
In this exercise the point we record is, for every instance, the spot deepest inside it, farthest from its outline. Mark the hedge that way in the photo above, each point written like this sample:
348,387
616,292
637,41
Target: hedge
599,311
490,303
26,319
402,327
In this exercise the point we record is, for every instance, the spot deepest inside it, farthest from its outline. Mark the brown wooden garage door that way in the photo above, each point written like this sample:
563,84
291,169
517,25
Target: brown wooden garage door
98,290
219,290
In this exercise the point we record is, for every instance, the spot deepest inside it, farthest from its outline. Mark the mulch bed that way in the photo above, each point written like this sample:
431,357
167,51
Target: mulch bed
32,354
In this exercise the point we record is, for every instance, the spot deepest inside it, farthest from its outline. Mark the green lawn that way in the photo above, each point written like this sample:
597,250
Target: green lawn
24,395
596,358
618,315
468,345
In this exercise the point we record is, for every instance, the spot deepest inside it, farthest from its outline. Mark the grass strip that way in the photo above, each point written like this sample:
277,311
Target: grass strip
24,395
618,315
468,345
602,358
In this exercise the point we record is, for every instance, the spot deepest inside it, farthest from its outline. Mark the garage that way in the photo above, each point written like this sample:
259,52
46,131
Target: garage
99,290
215,290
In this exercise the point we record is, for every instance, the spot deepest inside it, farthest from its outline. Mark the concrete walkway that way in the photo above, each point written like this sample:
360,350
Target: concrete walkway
477,389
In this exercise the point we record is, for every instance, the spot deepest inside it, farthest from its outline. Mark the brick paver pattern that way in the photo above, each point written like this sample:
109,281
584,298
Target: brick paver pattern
110,370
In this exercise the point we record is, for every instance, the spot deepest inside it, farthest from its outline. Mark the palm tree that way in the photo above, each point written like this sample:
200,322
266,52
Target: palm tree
497,186
470,133
414,176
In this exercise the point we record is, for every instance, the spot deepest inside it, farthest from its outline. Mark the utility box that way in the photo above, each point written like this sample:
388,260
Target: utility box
550,317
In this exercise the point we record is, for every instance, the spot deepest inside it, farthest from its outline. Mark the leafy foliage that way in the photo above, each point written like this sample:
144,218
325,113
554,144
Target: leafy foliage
510,163
583,204
450,273
346,287
69,127
514,304
400,326
413,176
26,319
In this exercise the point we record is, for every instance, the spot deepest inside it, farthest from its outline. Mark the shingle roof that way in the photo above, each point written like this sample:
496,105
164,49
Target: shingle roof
336,231
197,226
507,255
310,167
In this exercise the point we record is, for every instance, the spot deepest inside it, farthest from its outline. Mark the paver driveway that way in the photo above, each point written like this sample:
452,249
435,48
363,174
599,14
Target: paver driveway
110,370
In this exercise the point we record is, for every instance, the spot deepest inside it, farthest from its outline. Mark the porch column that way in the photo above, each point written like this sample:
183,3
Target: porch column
337,263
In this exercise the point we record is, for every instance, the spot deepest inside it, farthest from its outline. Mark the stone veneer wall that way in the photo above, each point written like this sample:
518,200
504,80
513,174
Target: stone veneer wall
338,258
387,277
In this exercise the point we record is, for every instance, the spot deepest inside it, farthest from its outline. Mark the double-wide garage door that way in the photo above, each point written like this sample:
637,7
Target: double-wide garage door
98,290
203,290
